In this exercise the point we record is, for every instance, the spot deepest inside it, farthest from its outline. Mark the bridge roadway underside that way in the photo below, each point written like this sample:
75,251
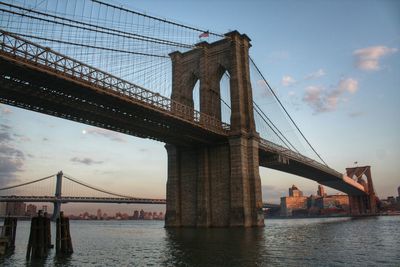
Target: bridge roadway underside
44,92
307,171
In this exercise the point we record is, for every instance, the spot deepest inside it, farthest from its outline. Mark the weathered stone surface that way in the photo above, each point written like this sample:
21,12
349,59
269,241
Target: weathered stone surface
216,185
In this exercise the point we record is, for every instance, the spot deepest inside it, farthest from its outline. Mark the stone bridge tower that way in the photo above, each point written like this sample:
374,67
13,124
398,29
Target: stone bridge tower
366,204
215,185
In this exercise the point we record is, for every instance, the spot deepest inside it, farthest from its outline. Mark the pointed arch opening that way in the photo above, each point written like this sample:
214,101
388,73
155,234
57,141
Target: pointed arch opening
224,95
196,95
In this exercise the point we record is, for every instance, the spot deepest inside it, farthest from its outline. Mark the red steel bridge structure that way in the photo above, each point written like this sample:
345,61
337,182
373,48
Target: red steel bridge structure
140,75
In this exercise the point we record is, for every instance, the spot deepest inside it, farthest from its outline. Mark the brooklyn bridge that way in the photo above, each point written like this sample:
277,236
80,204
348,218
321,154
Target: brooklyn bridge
122,70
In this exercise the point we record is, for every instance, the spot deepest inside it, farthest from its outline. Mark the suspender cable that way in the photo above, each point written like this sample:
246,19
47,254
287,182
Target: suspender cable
284,109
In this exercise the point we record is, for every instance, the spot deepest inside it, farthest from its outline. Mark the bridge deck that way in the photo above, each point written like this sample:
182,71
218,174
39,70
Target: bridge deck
279,158
37,78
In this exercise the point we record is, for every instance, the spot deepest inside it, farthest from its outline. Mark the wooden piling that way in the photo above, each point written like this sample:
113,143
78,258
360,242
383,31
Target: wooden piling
7,237
39,237
63,236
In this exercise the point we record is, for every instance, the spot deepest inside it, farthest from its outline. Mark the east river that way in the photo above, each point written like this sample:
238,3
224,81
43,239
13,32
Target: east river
371,241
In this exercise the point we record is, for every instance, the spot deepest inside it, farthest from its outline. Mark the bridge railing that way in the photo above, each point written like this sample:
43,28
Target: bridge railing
297,156
46,58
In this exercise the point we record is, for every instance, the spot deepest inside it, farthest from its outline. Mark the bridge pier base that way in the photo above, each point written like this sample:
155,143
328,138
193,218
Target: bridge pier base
363,204
214,186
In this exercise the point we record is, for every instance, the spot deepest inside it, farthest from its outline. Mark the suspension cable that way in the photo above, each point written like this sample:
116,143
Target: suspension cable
88,46
156,18
96,188
99,29
31,182
287,113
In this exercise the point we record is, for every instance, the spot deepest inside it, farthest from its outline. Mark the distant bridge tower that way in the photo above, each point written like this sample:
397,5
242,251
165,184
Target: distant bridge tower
57,203
365,204
215,185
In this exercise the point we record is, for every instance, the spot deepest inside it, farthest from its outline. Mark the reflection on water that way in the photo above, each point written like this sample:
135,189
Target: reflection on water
309,242
216,247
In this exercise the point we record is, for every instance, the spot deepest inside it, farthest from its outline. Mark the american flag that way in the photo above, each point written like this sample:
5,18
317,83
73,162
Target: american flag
204,34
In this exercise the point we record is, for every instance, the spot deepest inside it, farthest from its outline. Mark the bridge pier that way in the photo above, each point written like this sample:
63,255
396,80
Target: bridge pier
362,204
215,185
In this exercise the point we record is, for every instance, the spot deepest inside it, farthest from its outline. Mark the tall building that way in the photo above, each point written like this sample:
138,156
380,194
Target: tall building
135,215
295,192
321,191
99,217
294,203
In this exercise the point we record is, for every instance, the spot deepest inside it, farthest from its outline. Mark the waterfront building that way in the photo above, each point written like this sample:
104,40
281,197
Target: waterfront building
31,210
15,208
3,207
321,191
293,204
135,215
333,201
295,192
322,204
141,214
398,197
99,216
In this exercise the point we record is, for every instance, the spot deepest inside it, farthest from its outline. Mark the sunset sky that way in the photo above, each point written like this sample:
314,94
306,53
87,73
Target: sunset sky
334,64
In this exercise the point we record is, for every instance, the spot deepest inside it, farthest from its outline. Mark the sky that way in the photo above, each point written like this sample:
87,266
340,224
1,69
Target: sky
334,64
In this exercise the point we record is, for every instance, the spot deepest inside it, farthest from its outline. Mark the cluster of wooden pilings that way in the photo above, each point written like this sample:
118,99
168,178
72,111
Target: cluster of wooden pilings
7,235
63,237
40,237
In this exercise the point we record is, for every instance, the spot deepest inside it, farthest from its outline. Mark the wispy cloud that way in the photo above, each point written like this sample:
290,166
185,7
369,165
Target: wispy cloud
11,158
85,161
5,110
321,99
113,136
368,58
272,194
316,74
288,80
356,114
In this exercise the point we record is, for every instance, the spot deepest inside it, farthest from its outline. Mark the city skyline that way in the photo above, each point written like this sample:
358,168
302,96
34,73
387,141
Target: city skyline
337,77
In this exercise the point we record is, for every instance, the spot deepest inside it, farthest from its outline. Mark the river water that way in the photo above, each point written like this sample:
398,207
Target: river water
373,241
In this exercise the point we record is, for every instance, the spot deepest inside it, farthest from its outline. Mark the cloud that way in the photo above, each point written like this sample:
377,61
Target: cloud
113,136
86,161
11,158
287,80
5,111
368,58
11,162
5,137
315,74
321,99
272,194
356,114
